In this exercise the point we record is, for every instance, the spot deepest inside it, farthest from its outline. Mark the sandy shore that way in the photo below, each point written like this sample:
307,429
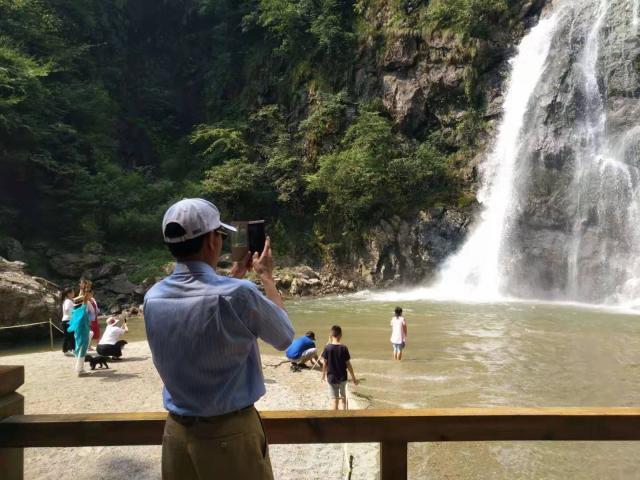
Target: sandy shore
133,385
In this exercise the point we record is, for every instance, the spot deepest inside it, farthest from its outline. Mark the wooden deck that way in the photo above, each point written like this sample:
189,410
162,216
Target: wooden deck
393,429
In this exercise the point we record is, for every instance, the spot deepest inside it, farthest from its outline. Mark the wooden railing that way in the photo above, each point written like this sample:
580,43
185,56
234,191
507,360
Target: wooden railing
392,429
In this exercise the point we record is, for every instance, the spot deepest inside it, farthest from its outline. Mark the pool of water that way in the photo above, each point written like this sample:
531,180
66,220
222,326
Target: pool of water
481,355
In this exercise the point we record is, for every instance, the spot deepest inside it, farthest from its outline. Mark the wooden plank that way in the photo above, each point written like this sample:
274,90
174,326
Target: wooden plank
101,429
11,378
393,461
353,426
11,459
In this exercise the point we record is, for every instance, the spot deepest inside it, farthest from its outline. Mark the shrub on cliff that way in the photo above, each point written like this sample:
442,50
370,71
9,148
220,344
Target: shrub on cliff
375,173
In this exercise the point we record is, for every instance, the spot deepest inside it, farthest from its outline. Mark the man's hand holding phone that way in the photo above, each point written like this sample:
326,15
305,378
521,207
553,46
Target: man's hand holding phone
241,268
263,266
263,263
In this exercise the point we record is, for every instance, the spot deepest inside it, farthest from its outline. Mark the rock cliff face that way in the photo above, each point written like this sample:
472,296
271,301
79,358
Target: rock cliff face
427,82
423,78
25,299
409,252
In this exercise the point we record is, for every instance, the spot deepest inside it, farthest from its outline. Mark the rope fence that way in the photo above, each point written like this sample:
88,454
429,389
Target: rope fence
51,327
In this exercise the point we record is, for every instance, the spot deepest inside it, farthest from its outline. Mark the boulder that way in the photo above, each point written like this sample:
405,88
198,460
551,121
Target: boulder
307,272
120,284
25,299
94,248
109,269
225,261
284,282
73,265
297,287
401,251
11,249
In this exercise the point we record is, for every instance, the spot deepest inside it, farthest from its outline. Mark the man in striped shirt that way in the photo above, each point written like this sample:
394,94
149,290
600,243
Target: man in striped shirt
203,329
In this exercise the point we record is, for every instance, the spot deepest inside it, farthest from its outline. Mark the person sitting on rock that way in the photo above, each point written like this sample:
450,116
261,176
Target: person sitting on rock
110,344
303,350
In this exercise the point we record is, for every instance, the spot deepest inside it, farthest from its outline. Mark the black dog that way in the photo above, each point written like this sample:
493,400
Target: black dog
97,360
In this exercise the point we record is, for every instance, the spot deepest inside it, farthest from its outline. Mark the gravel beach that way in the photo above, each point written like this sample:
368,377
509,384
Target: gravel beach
132,385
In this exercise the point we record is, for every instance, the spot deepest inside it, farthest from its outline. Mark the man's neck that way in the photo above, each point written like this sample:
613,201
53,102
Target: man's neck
335,341
196,259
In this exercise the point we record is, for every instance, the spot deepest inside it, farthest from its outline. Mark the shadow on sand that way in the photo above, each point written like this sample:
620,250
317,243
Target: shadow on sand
112,375
135,468
132,359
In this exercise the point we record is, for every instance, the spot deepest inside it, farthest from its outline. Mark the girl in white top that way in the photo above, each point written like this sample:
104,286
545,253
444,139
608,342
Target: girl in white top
68,344
398,333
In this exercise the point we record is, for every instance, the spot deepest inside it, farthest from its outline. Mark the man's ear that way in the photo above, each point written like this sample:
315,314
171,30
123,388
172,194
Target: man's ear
214,240
211,240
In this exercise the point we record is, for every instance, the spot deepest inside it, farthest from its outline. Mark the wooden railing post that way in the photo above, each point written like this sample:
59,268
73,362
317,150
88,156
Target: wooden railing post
11,403
393,461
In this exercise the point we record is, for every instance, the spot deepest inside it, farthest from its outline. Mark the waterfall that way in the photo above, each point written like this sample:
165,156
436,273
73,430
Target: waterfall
475,266
560,188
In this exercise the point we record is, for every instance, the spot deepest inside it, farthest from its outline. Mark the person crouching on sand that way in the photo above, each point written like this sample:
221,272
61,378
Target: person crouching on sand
79,325
110,344
303,350
398,333
334,369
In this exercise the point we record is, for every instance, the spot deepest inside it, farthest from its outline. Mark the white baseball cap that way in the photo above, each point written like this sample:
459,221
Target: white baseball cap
196,216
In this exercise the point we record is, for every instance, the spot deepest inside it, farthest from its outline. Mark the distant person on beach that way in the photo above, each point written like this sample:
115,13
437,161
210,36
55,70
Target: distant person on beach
111,344
79,325
92,310
398,333
334,369
203,330
302,350
68,343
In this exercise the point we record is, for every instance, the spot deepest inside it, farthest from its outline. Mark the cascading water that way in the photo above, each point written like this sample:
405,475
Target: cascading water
560,188
477,263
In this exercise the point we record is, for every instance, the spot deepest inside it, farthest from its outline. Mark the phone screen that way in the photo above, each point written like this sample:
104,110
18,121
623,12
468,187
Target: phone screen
239,241
257,236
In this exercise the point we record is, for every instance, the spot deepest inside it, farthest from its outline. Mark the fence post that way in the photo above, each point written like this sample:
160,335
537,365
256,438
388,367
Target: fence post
11,403
393,461
51,333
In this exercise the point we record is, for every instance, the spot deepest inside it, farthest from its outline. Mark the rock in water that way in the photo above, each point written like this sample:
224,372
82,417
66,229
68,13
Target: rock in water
25,299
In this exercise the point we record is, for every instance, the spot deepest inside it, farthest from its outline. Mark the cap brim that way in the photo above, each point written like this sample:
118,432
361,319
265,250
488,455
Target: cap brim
228,227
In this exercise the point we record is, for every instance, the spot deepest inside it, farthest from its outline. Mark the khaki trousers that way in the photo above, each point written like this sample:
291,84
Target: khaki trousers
231,446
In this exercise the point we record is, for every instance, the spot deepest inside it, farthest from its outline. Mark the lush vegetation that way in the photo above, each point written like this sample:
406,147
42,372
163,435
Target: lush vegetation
112,109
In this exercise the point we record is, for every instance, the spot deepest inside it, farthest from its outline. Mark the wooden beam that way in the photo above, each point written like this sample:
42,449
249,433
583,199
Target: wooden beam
11,378
393,461
353,426
11,403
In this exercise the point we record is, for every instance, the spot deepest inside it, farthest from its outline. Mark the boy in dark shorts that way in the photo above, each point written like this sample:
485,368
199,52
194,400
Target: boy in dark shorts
334,369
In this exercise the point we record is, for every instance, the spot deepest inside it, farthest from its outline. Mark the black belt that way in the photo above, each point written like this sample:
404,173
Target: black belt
188,419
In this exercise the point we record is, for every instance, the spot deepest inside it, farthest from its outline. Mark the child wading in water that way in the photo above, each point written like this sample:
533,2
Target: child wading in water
334,369
398,333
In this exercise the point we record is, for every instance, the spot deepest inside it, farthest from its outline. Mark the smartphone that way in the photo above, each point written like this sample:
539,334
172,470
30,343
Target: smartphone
240,241
250,237
257,236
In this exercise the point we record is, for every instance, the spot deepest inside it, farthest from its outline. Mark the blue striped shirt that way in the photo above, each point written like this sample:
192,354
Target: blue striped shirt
203,329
